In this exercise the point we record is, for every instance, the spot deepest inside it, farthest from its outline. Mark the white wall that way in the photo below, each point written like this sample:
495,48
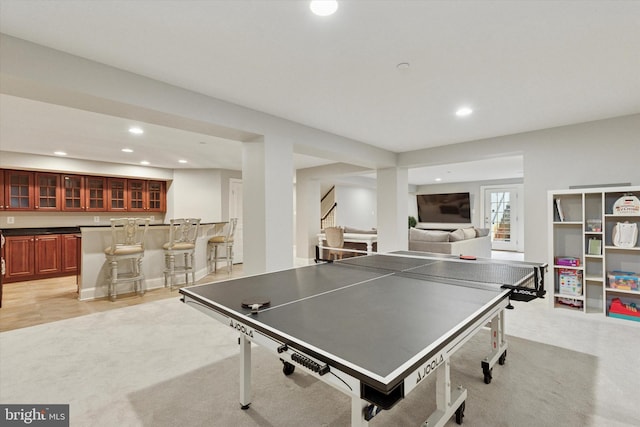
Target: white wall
196,194
356,207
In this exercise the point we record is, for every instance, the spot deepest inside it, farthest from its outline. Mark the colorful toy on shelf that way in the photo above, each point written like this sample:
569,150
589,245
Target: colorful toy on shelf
570,281
568,261
624,311
624,280
570,302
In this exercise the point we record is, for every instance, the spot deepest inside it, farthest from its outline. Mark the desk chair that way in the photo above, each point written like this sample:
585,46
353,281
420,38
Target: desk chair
127,244
182,241
224,238
335,241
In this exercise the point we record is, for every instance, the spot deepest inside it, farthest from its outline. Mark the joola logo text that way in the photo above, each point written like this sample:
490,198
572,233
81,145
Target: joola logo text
525,292
241,328
429,368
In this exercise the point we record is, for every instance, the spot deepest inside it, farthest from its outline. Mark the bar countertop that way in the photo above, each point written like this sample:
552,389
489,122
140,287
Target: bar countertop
39,231
68,230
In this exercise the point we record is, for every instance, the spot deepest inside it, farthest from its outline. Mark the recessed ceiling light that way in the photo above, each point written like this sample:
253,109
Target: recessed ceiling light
464,111
136,130
59,153
144,162
323,7
182,161
127,150
438,179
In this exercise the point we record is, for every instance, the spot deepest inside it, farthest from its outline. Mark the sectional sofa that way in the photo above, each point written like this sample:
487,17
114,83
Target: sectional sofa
463,241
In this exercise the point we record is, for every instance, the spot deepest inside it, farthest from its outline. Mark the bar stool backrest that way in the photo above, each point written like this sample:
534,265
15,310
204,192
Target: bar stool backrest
183,230
128,232
231,229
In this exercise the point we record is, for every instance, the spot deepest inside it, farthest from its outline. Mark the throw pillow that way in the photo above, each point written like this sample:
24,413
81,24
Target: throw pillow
456,236
469,233
481,232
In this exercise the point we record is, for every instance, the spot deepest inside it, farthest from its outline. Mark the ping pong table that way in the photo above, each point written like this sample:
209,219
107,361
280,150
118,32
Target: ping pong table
375,326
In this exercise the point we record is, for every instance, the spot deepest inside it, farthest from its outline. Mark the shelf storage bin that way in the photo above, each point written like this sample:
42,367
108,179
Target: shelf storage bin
624,280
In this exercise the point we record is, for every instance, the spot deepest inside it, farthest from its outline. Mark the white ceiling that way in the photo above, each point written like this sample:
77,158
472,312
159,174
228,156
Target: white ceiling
521,65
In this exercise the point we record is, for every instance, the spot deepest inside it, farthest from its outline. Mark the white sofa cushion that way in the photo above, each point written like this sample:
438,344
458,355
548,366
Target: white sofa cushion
479,246
359,230
428,235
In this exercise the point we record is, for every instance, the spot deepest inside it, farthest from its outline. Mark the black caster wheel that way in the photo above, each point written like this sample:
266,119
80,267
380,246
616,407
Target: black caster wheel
460,413
502,358
288,368
370,412
487,376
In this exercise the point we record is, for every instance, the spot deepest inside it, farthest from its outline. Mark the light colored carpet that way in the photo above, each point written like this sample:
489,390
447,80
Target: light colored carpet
166,364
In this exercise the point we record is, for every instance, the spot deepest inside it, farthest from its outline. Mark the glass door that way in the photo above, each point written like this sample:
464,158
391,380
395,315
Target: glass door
500,216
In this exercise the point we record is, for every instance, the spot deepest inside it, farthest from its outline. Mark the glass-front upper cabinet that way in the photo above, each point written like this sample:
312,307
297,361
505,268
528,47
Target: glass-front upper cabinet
157,196
96,193
18,190
73,196
47,196
138,199
146,196
117,194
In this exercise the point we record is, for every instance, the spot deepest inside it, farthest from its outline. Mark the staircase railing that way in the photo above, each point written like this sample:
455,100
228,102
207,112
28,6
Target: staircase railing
329,219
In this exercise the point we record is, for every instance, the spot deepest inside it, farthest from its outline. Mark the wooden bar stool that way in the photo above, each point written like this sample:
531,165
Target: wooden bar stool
127,244
223,239
183,233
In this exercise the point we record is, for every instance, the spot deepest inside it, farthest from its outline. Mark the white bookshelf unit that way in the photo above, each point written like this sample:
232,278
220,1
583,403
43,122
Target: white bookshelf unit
581,227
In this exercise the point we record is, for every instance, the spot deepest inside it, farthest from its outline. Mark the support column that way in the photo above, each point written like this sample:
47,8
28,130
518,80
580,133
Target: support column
267,181
307,216
393,209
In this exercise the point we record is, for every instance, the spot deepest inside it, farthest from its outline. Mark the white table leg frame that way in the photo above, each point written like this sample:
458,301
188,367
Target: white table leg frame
498,347
245,372
448,402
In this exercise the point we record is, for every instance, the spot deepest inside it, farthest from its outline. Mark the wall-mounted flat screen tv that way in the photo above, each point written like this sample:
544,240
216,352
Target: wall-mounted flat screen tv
445,208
